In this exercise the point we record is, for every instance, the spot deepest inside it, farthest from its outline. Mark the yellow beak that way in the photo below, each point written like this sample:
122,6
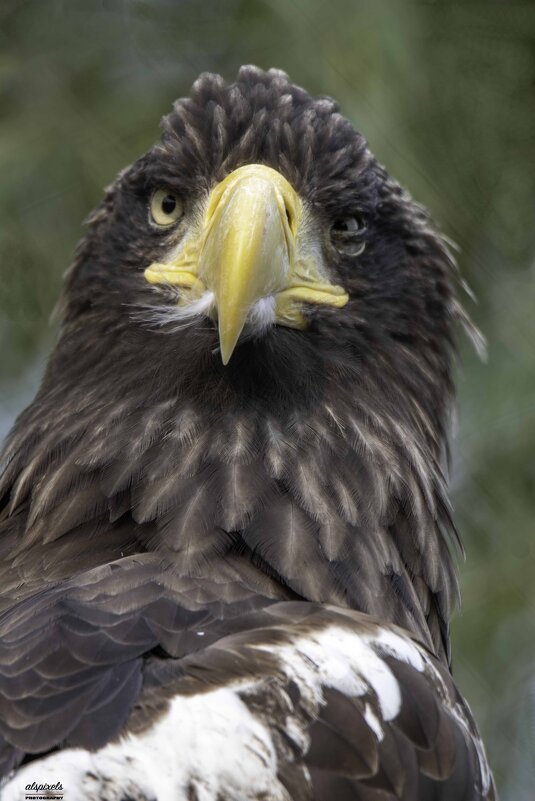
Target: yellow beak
248,245
247,252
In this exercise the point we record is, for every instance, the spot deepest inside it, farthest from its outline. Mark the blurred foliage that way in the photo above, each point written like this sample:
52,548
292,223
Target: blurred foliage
445,93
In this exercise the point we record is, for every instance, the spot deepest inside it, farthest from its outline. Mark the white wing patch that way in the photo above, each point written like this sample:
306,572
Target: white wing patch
338,658
216,744
205,747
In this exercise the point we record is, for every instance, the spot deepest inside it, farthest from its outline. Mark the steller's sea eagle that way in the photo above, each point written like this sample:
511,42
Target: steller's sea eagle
225,542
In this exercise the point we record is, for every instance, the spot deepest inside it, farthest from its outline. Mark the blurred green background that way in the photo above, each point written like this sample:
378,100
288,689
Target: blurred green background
445,93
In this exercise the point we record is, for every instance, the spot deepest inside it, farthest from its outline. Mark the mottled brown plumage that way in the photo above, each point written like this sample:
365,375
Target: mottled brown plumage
161,512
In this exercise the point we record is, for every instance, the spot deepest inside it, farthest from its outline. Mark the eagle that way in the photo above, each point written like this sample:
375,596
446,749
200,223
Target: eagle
227,552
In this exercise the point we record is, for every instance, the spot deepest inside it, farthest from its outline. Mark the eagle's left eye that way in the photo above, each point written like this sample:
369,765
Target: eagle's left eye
347,235
165,207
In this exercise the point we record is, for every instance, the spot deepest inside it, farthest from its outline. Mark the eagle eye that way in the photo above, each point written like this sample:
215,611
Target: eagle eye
347,235
165,207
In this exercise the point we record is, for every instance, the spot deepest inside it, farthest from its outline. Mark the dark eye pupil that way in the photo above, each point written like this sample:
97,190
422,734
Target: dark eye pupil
348,225
168,204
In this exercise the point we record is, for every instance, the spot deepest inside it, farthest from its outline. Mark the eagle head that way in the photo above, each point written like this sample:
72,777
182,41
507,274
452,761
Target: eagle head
261,235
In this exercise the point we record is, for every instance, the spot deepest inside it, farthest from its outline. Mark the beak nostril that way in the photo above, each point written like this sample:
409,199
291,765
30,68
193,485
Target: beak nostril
290,219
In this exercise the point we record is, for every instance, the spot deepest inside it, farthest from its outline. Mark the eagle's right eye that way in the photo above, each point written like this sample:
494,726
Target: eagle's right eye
165,208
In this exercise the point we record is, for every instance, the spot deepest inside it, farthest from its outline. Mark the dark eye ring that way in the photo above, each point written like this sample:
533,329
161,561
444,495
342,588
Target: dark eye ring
347,235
